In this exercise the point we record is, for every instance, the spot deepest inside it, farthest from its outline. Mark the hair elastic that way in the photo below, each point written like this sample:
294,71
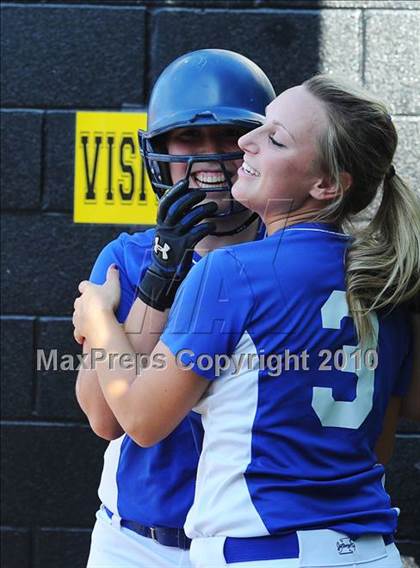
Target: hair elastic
390,173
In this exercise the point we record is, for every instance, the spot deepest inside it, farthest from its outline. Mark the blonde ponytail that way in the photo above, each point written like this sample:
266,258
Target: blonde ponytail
382,265
383,260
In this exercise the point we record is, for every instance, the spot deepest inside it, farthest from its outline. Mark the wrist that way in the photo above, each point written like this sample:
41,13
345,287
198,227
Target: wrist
158,289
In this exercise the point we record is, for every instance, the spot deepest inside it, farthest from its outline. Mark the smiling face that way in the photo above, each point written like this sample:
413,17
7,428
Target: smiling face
204,140
281,171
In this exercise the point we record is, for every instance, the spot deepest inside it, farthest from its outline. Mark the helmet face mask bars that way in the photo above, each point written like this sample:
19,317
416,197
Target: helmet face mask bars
209,87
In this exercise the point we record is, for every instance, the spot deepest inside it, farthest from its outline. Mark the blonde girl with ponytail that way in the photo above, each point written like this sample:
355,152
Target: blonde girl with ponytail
292,347
382,263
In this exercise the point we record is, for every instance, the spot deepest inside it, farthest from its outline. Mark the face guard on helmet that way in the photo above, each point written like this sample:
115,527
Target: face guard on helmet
209,87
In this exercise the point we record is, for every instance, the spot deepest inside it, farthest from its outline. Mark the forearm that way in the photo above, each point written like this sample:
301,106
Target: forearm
144,326
117,368
151,403
117,354
92,402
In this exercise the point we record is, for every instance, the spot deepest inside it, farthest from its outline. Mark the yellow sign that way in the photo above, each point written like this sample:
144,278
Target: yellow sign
110,181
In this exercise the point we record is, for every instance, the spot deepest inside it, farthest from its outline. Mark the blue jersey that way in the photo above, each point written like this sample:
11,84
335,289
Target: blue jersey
294,406
153,486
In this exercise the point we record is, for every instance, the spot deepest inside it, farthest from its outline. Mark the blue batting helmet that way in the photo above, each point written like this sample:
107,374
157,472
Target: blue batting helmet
208,87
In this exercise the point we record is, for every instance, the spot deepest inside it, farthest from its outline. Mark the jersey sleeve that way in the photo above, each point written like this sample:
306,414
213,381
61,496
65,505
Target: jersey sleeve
113,253
210,313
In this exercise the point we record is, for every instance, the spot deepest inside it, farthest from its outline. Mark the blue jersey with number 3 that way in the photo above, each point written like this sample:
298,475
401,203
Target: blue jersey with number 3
292,415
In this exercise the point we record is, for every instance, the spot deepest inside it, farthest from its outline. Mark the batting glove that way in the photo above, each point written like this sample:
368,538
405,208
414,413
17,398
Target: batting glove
178,230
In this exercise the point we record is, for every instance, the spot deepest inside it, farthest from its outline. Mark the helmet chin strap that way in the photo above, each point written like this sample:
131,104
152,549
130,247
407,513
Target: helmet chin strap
253,217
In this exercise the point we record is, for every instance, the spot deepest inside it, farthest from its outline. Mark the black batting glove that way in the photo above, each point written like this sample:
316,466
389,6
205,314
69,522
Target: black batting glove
178,230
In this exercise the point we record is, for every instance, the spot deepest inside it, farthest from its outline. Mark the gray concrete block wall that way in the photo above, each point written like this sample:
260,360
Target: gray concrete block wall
54,390
60,58
392,68
21,134
59,161
59,39
52,256
403,486
16,547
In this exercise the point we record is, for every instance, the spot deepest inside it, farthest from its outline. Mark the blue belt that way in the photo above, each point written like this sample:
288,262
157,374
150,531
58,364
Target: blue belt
163,535
271,547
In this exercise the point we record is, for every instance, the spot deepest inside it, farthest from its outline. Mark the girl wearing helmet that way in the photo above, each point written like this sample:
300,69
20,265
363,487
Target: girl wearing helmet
191,141
288,475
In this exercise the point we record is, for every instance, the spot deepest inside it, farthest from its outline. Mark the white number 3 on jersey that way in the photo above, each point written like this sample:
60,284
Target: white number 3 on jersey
338,413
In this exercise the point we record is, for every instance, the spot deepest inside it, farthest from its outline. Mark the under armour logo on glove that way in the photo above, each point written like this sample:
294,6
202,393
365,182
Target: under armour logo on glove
163,250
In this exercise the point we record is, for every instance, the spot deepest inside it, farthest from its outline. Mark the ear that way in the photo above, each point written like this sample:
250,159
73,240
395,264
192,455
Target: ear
325,188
